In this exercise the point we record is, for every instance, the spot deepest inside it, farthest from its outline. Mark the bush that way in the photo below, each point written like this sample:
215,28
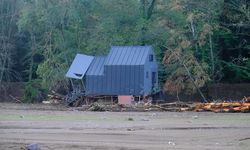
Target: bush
33,92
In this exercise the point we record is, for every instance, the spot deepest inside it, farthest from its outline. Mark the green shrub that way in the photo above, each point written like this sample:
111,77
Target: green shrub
33,92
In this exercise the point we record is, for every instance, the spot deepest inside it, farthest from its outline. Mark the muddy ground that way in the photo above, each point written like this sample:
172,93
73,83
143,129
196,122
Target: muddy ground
55,128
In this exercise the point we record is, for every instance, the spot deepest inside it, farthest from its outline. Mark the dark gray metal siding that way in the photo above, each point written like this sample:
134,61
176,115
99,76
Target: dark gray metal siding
123,80
122,72
150,67
95,77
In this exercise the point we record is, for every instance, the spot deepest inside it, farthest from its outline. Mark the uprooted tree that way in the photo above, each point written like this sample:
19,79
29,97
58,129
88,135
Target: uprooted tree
185,73
191,55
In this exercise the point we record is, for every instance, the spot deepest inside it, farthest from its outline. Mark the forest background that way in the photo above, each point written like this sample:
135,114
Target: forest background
197,42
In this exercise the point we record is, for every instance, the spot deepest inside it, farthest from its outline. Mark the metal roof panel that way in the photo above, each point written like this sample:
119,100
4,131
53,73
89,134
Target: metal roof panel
79,66
127,55
97,66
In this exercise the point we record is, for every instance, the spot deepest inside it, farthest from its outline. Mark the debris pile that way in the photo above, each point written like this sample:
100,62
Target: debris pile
96,107
141,107
175,107
54,98
241,106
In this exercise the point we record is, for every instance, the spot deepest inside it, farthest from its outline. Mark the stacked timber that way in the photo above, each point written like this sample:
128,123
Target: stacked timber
241,106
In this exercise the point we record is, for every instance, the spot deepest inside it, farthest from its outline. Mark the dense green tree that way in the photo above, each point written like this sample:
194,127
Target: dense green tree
234,40
196,42
8,41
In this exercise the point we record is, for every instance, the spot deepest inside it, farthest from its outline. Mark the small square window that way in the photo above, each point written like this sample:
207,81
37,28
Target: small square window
151,58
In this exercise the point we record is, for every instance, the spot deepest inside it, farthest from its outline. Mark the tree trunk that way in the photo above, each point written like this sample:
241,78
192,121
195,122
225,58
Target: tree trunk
194,38
32,56
6,34
211,55
190,76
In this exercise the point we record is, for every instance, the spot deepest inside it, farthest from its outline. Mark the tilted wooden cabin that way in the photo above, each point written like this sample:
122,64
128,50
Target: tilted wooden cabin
126,70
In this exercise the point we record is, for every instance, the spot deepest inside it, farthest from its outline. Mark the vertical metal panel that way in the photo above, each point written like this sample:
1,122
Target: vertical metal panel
103,86
126,73
99,85
87,84
146,78
104,82
141,80
123,79
132,80
137,79
112,75
95,82
118,81
129,79
106,79
97,88
147,82
91,84
109,78
106,76
126,79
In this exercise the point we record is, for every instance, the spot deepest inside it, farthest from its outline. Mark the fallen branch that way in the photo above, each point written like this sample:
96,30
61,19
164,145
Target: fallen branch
14,98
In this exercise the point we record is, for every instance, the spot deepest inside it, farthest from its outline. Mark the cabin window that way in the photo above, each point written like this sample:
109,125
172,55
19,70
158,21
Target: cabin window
151,58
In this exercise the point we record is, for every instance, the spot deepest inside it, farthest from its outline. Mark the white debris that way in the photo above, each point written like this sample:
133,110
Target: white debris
195,117
171,143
